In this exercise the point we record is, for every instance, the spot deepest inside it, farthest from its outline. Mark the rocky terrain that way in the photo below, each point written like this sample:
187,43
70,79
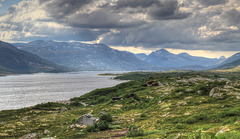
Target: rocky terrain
153,105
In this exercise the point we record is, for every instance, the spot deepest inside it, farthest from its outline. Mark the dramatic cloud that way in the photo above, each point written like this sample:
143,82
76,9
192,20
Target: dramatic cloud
63,8
167,10
232,17
155,9
149,24
136,3
212,2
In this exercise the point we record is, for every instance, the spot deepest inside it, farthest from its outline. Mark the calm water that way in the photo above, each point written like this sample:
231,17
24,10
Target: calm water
28,90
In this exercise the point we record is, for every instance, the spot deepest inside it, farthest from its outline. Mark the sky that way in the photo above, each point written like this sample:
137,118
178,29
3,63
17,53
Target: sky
207,28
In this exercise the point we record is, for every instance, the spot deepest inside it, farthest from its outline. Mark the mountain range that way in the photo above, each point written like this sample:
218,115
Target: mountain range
229,63
83,56
163,58
13,60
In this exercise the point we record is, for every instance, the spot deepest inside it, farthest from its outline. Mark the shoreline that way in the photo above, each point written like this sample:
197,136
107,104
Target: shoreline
61,101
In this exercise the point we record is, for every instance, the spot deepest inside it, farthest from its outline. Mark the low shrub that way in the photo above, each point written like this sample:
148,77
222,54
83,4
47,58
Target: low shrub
134,131
106,117
91,128
230,121
48,106
102,125
229,135
179,126
190,120
143,115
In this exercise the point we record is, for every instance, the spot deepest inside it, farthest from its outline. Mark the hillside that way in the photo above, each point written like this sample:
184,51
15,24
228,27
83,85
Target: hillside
231,59
230,65
163,58
189,105
13,60
229,70
85,56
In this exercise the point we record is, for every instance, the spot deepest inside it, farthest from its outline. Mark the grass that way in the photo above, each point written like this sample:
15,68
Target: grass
172,108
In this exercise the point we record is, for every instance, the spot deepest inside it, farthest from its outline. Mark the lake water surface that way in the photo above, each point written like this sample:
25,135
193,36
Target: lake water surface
28,90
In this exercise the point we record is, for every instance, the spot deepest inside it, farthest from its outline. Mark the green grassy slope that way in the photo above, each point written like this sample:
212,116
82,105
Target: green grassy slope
160,105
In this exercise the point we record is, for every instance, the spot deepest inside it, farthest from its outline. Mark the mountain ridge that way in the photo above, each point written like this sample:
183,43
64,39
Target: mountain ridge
163,58
13,60
86,56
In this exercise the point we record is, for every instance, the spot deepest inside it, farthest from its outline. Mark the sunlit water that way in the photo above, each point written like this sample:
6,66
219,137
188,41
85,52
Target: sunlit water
28,90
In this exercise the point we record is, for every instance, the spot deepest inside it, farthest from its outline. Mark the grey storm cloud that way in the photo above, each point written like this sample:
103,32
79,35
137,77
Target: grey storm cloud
156,9
212,2
136,3
232,17
150,35
70,13
100,19
181,24
61,8
166,11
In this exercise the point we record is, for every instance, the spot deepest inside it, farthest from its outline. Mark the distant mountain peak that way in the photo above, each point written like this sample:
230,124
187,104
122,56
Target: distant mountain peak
184,54
230,59
161,51
222,57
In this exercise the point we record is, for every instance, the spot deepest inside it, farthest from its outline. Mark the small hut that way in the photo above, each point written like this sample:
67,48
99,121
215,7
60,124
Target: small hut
87,119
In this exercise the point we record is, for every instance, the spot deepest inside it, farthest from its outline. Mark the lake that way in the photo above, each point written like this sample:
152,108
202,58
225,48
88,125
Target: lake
28,90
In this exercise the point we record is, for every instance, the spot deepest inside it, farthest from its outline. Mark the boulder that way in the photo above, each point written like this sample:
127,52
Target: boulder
213,91
189,90
46,131
29,136
217,95
187,98
177,136
199,92
181,103
223,130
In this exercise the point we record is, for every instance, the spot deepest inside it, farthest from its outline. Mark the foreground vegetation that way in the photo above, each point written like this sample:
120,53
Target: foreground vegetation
191,105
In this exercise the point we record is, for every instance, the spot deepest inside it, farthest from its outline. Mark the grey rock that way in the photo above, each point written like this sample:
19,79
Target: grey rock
219,132
46,131
29,136
199,92
177,136
217,95
213,91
